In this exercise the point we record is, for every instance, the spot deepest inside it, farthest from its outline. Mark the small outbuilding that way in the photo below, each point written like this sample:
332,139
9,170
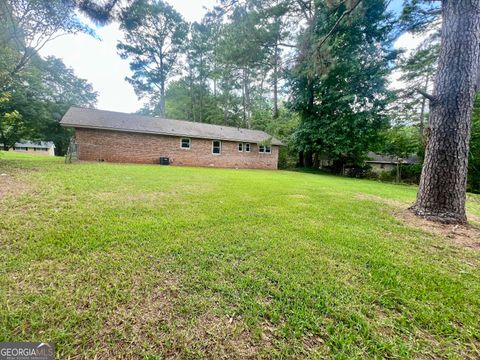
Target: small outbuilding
119,137
383,163
35,147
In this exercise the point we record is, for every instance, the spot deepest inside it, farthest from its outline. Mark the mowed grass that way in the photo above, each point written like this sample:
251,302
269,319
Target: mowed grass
112,261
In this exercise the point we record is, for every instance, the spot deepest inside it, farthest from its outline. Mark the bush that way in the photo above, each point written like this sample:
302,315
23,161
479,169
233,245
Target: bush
357,171
410,173
285,159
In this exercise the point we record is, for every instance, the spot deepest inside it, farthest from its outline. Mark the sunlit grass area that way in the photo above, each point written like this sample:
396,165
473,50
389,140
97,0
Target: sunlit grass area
149,262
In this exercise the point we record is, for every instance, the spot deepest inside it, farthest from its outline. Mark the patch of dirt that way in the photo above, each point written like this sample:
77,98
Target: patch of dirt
376,198
153,323
10,186
463,235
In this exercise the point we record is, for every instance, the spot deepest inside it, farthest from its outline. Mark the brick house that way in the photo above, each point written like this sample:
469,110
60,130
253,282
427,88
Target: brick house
119,137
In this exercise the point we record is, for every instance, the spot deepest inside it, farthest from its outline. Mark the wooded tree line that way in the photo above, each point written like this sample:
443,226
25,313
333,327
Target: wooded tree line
313,72
36,92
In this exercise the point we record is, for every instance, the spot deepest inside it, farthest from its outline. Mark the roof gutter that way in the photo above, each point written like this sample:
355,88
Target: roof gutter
64,124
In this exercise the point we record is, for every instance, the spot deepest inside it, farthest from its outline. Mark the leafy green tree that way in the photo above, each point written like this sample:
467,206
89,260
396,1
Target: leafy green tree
62,89
27,26
401,142
183,102
418,71
339,81
199,66
154,37
474,153
247,60
42,94
12,127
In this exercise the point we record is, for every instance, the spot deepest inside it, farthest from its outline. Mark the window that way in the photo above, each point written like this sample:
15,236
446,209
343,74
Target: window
240,147
264,149
185,143
216,147
247,147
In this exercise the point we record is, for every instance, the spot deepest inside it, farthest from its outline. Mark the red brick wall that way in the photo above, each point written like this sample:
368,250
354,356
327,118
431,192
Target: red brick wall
117,146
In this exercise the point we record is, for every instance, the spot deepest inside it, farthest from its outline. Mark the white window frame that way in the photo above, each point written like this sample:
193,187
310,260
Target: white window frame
220,147
240,147
245,147
189,143
265,148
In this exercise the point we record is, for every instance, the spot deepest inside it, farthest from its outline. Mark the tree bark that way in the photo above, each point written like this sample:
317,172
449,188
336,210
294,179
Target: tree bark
162,99
246,99
308,159
316,161
442,192
275,83
301,159
422,116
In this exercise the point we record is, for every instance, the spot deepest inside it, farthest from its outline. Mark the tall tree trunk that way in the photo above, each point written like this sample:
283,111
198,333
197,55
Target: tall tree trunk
316,160
275,83
442,191
192,96
201,91
301,159
162,99
308,159
225,107
246,99
421,127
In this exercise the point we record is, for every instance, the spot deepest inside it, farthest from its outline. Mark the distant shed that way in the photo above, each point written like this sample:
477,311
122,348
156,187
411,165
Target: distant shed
36,148
382,163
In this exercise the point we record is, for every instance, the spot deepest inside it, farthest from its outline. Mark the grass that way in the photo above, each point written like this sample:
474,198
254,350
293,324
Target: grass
150,262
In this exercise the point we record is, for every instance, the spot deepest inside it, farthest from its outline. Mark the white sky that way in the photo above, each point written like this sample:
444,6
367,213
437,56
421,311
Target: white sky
408,42
98,61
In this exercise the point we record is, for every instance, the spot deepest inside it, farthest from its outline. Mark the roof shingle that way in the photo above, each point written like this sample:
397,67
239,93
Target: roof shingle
110,120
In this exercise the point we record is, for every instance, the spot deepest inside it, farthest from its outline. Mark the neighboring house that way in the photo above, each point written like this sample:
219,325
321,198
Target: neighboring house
119,137
36,148
382,163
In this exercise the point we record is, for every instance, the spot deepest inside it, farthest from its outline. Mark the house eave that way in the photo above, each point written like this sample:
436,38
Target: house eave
176,134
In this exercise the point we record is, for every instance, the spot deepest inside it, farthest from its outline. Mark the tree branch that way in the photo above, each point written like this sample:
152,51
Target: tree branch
345,13
287,45
425,94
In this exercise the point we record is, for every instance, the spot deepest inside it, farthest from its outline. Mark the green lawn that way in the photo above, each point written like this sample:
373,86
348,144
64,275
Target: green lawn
148,262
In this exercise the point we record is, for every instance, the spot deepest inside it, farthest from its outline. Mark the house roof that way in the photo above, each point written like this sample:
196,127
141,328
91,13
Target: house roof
35,144
109,120
390,159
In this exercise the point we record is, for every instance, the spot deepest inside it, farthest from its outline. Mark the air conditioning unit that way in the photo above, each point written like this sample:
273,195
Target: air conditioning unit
164,161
